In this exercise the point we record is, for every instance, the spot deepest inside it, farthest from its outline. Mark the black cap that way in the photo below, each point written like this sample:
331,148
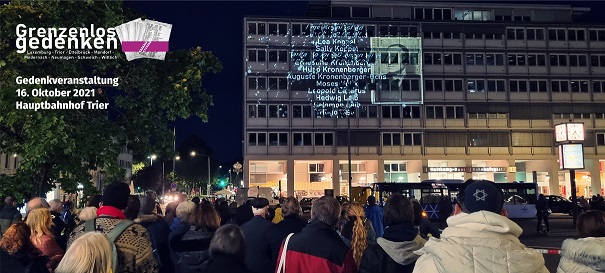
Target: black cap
259,203
116,195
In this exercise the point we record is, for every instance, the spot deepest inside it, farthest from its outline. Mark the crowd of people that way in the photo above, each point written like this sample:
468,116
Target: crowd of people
118,232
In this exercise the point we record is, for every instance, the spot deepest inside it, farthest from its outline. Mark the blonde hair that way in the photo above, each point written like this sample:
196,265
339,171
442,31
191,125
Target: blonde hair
358,240
39,222
184,210
87,213
91,253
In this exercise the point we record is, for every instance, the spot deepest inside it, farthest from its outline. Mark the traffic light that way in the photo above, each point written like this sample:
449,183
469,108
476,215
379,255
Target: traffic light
222,183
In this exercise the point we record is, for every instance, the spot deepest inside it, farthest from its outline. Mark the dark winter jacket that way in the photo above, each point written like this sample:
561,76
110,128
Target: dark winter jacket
59,230
243,213
318,248
394,252
347,231
258,254
158,234
276,234
374,214
542,207
191,249
31,264
8,216
223,264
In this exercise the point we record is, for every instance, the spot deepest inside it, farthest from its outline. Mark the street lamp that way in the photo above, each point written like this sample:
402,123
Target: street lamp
152,157
193,153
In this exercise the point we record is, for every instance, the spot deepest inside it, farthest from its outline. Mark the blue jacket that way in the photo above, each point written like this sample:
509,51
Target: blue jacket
374,214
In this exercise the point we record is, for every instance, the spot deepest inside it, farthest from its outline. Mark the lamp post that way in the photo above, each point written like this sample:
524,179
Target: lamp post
570,136
152,157
193,153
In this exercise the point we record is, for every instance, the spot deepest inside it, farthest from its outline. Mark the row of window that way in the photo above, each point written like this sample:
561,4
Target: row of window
431,139
512,33
7,162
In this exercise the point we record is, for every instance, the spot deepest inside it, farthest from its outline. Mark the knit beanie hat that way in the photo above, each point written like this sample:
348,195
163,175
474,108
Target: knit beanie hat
483,195
116,195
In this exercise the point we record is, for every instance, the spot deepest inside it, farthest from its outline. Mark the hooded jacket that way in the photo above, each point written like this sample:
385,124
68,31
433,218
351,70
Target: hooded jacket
586,255
480,242
394,252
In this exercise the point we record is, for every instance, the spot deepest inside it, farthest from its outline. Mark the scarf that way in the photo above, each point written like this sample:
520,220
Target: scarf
111,211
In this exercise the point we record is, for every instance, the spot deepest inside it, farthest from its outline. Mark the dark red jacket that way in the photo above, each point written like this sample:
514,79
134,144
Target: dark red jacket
318,248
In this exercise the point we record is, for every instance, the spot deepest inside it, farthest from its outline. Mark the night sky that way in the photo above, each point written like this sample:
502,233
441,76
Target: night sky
217,27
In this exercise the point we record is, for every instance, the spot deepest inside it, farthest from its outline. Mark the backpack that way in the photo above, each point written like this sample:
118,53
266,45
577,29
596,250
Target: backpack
112,236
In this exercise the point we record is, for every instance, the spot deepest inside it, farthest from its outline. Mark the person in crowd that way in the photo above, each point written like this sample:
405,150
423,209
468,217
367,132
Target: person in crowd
227,251
87,213
223,210
394,252
244,213
67,216
95,201
16,242
40,222
354,232
171,208
59,228
587,254
445,210
291,223
278,214
132,207
91,253
258,254
183,211
479,237
542,212
374,214
318,248
157,229
8,264
191,248
38,202
342,220
425,227
9,214
133,245
583,203
196,200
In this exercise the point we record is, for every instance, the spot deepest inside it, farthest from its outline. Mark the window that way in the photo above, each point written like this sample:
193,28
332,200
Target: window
558,60
493,36
300,29
598,86
536,59
473,36
597,35
280,83
538,86
368,111
517,86
536,34
412,85
432,35
578,86
279,56
433,85
495,86
257,139
516,59
412,139
360,12
452,58
278,139
576,35
454,112
316,167
453,85
278,29
494,59
432,58
391,111
395,167
324,139
475,86
257,111
301,111
278,111
302,139
256,55
257,83
411,112
601,139
391,139
256,28
515,33
597,60
474,59
434,112
559,86
577,60
556,34
472,15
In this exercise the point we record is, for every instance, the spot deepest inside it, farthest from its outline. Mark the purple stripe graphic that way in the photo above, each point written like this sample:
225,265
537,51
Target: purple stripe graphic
149,46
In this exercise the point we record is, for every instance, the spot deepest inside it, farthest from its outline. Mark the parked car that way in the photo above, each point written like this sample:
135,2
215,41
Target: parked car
559,204
306,203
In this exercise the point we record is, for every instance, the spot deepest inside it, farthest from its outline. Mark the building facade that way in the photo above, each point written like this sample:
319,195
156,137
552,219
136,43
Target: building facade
494,81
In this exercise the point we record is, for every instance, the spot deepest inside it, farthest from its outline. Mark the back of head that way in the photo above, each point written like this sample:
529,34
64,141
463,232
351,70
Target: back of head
184,210
398,210
326,209
147,205
55,205
358,238
91,252
371,200
116,195
17,238
40,222
133,207
228,241
94,201
591,224
205,216
478,195
36,203
9,201
290,206
87,213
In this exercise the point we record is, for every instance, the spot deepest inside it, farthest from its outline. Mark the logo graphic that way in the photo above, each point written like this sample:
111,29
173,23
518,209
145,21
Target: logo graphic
480,195
144,39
